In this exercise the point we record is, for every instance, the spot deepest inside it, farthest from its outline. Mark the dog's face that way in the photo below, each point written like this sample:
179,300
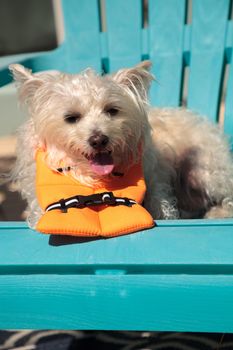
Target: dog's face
94,123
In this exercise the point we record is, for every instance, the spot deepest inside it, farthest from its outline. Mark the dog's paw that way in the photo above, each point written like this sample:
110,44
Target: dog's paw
218,212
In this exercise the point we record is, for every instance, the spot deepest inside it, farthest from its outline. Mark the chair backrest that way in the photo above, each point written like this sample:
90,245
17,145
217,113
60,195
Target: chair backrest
189,42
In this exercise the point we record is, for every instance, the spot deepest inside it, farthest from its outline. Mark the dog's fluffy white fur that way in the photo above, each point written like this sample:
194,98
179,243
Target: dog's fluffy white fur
186,160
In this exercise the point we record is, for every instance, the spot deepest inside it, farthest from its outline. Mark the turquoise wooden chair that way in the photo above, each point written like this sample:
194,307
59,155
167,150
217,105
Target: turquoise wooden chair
175,277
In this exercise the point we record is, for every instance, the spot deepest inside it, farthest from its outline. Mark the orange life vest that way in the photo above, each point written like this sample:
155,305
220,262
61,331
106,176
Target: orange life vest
81,215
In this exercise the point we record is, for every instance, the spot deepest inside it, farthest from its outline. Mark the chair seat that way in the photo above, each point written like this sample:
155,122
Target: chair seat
177,276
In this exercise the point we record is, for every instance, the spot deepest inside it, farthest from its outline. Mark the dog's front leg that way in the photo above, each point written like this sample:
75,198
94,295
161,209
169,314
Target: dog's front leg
160,202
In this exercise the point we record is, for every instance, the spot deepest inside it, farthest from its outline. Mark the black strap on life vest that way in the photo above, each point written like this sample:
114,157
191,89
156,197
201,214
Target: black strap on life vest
91,200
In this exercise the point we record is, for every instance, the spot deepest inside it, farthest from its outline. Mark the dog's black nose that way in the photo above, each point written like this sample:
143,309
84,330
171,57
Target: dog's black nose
98,141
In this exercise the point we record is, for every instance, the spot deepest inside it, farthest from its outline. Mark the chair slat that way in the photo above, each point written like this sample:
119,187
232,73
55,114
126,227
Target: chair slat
166,32
124,33
181,243
228,117
82,25
207,55
159,302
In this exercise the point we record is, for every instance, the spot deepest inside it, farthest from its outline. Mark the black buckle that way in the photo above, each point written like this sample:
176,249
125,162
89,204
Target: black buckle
62,202
108,198
95,199
92,199
82,201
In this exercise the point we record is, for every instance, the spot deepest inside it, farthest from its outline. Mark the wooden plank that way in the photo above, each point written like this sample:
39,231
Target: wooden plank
209,24
170,278
151,302
166,36
228,115
82,34
124,33
228,118
202,246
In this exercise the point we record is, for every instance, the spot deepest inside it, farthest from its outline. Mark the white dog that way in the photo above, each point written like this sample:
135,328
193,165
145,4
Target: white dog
94,125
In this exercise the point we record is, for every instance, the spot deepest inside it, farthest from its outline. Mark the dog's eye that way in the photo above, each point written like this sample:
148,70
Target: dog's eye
72,118
111,111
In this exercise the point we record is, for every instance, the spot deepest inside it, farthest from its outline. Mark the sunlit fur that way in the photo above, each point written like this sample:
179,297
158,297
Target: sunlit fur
187,163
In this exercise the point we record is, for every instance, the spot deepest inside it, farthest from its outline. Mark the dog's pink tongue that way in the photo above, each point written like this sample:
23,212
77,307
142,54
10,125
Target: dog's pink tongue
102,164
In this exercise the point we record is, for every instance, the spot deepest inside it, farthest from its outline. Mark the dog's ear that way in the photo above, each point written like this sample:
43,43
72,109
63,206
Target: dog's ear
20,73
138,79
26,82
